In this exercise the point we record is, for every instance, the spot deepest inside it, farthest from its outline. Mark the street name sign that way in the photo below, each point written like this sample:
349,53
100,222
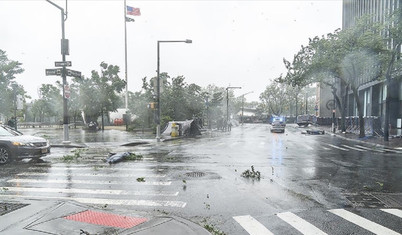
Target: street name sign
62,63
73,73
53,72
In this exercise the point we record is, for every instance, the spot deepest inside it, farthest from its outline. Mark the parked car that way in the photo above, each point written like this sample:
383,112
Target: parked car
278,124
306,119
14,145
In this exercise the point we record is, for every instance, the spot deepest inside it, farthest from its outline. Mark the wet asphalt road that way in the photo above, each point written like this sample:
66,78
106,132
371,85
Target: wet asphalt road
200,179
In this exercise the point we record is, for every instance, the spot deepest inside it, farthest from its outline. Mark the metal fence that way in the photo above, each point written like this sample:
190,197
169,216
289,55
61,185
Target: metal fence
372,124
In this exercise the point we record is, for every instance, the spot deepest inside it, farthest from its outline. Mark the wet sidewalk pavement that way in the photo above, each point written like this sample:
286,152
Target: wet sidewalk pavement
395,140
62,217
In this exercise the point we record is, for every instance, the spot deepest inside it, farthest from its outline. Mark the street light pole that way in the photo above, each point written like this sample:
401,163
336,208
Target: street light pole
227,102
158,89
64,51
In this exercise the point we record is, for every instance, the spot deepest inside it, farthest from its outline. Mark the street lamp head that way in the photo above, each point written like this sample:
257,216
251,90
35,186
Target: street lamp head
189,41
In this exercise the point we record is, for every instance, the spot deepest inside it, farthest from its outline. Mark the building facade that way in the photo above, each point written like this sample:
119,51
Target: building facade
372,93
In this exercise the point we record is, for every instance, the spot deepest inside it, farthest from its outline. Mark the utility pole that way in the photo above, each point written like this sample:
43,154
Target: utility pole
64,52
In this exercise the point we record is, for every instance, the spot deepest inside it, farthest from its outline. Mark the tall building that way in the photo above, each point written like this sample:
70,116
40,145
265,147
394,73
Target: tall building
372,93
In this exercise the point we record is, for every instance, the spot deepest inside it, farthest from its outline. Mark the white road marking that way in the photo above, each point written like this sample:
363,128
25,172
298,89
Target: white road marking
362,222
357,149
252,226
395,212
300,224
391,150
325,148
93,169
56,181
308,147
92,191
369,149
91,174
104,201
333,146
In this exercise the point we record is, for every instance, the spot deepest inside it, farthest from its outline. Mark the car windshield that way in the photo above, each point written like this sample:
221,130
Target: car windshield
6,131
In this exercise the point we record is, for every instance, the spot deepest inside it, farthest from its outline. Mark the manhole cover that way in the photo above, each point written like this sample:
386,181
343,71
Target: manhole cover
195,174
9,207
365,200
390,199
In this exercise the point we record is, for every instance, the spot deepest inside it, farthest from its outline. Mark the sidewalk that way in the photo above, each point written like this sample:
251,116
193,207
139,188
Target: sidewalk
395,142
62,217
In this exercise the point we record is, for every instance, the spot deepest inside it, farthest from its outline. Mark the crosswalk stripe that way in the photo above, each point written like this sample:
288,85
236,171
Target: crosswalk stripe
357,149
391,150
91,191
252,226
334,146
299,224
395,212
85,182
362,222
104,201
369,149
90,175
59,168
325,148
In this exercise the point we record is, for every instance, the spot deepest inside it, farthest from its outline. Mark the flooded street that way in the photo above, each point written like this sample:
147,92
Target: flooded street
201,178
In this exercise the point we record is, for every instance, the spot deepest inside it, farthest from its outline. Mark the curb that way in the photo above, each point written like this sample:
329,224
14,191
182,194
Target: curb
359,141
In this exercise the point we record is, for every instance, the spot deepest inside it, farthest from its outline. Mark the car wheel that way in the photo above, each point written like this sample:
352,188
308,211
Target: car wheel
5,155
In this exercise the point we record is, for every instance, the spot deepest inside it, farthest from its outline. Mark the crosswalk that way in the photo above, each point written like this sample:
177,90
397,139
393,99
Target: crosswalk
339,221
354,147
127,185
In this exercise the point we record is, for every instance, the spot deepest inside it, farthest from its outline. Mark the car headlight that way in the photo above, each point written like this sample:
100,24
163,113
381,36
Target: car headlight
22,144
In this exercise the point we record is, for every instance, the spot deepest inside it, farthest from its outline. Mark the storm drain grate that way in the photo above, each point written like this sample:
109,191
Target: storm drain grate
195,174
106,219
390,199
9,207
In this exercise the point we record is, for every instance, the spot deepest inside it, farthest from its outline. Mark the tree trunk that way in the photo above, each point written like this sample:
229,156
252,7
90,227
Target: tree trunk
344,109
360,112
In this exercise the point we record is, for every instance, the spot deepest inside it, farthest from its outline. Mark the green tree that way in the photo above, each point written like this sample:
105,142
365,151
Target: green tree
100,93
343,58
8,87
50,103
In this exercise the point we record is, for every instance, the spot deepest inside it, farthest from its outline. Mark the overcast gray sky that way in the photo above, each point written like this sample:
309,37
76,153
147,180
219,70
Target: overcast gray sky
236,43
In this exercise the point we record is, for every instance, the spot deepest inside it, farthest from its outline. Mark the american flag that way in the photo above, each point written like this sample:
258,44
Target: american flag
133,11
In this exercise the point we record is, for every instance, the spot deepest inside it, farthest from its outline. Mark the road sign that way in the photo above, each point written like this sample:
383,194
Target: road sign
73,73
67,91
62,63
53,72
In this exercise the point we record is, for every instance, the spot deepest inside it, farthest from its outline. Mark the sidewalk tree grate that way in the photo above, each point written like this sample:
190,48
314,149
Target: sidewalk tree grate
9,207
195,174
106,219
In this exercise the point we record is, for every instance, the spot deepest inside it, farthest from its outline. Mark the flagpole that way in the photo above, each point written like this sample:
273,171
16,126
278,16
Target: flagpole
125,53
